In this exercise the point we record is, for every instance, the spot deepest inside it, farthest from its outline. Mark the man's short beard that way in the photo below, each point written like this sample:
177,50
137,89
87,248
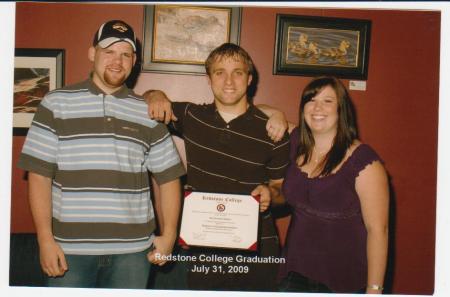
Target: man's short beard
114,82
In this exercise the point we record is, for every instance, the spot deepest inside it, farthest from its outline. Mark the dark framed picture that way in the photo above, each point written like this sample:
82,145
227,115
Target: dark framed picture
178,39
36,72
313,46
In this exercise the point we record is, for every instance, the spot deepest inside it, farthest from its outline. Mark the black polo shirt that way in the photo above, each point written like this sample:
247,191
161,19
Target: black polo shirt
232,157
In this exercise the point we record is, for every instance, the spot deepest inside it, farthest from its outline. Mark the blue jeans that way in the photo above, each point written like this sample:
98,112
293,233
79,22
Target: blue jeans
172,275
127,271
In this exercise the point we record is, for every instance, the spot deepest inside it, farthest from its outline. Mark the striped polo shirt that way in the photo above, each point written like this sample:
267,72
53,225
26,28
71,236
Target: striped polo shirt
98,149
231,157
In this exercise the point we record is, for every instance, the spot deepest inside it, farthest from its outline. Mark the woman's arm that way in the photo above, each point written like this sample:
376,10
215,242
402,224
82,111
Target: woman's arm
373,191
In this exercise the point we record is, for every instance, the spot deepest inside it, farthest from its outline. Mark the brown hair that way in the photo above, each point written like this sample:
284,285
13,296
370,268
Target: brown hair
229,50
346,127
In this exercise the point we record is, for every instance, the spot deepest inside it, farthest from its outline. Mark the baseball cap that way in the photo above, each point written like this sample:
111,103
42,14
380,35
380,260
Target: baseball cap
114,31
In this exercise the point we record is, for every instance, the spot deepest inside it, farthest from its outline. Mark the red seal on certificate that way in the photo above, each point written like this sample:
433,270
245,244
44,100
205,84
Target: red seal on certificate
221,207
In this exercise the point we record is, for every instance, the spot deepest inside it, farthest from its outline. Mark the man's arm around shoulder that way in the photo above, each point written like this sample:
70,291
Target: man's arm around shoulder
159,106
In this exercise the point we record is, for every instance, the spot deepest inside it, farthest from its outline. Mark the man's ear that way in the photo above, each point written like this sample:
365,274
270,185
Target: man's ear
91,54
250,77
134,58
209,79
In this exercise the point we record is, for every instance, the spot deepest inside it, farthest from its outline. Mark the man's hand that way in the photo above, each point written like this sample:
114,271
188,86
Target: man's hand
264,194
276,126
159,106
163,247
53,261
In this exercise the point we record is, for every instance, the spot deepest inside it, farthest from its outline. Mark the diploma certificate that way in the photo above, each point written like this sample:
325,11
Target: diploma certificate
220,220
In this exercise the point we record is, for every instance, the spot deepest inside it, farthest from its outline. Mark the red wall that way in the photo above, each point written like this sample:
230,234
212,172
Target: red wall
402,88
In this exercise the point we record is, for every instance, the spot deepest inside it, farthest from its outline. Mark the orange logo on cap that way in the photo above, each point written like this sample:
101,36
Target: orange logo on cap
120,27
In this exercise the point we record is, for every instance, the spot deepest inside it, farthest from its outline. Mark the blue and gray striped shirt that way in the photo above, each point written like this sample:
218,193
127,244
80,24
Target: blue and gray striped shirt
98,149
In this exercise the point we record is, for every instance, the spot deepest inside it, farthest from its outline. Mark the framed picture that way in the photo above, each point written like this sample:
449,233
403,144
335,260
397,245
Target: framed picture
313,46
179,38
36,72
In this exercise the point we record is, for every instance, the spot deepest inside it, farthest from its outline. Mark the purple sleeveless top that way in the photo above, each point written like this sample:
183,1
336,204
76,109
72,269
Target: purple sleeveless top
326,239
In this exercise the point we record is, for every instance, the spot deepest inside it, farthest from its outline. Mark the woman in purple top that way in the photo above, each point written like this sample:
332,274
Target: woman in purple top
338,190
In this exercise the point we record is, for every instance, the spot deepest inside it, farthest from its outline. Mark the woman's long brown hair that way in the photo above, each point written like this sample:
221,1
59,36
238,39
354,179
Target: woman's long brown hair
346,128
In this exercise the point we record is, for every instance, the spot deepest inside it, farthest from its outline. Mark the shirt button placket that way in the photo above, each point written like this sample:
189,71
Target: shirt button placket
109,125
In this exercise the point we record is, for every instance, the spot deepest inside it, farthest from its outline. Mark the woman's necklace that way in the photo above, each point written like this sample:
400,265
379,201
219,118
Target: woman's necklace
318,155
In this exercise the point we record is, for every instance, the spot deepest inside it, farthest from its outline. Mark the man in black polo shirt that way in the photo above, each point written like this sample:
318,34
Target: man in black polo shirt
228,150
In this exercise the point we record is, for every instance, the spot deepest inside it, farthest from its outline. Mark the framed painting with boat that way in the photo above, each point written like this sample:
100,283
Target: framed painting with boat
312,46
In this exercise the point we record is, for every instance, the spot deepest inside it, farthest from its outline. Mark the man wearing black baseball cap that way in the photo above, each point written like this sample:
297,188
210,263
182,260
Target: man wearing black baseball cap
112,32
111,35
88,153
